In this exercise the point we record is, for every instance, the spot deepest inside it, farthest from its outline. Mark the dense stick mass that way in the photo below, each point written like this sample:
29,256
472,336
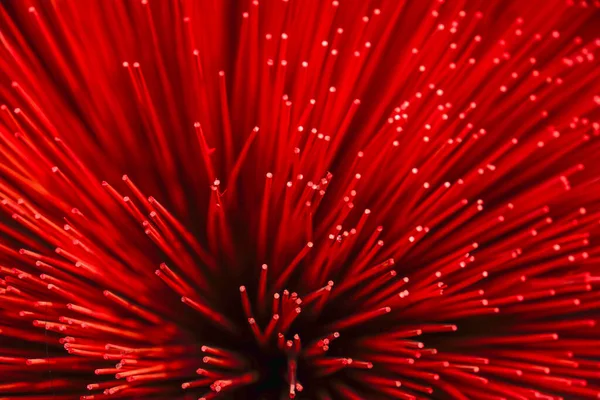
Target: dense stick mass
353,199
